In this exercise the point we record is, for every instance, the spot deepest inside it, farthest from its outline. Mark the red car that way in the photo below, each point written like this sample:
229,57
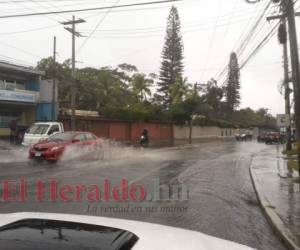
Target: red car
53,148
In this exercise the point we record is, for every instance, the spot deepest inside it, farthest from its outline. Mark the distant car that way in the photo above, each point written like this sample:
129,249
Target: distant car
52,148
243,137
274,138
261,137
43,231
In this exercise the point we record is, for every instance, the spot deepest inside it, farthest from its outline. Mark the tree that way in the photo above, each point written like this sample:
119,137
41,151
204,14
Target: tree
62,72
179,90
213,95
232,90
187,104
141,86
172,57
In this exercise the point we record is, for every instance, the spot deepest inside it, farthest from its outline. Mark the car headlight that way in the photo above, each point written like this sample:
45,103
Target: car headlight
56,148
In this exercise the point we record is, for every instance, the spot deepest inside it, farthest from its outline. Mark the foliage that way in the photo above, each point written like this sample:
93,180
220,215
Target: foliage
213,95
141,86
248,118
125,93
206,122
233,85
172,57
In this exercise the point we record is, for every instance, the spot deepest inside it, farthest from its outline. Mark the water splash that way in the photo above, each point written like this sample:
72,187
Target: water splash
102,150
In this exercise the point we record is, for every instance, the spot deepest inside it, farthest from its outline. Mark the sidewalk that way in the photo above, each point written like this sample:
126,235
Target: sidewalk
278,193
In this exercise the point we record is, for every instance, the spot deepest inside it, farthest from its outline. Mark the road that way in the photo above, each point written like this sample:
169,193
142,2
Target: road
220,200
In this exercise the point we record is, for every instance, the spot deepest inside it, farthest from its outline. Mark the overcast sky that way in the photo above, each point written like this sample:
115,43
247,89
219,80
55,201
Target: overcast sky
211,30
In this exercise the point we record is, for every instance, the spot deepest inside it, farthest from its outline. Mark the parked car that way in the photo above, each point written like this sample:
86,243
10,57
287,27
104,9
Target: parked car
274,137
53,148
261,137
243,136
66,231
40,131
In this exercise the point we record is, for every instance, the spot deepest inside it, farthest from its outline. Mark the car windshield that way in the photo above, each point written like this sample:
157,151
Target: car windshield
61,137
38,129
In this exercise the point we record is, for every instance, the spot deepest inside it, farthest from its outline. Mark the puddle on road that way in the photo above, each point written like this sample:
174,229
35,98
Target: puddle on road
12,153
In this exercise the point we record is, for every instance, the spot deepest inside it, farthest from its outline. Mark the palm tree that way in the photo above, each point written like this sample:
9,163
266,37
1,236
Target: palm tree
180,90
141,84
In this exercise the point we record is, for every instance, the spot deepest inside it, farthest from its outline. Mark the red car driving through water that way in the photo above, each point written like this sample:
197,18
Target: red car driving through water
52,149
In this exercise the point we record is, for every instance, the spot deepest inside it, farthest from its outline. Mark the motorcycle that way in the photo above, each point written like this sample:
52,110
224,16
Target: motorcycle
144,141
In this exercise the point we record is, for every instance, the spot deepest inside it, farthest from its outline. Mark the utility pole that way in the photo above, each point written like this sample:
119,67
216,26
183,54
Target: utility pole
73,86
288,7
288,11
54,80
287,90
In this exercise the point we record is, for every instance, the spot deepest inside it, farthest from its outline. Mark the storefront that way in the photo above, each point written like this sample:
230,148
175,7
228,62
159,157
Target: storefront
23,98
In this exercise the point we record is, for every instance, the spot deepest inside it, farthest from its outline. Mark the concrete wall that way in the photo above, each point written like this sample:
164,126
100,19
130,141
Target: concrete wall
182,132
46,90
45,105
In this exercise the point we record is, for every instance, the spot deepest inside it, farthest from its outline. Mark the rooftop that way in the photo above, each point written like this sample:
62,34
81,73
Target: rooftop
8,67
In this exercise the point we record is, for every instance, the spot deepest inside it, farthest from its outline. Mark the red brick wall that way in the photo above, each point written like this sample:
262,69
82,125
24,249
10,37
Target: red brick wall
158,132
122,130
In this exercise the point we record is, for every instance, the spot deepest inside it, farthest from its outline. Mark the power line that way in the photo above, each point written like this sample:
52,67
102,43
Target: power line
43,7
226,31
213,35
162,28
260,45
247,39
88,9
24,51
97,26
49,17
237,42
29,30
158,33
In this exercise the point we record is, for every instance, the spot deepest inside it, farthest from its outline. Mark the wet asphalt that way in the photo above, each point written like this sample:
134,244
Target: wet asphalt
204,187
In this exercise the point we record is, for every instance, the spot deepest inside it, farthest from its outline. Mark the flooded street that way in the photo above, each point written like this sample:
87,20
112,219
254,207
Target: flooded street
216,195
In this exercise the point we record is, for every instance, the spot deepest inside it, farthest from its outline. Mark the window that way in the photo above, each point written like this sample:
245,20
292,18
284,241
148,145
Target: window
80,137
38,129
54,234
7,117
67,136
53,129
90,136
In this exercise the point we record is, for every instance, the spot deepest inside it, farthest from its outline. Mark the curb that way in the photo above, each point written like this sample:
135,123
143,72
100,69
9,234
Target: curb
276,223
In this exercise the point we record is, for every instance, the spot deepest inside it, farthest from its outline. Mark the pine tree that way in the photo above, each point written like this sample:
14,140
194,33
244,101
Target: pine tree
232,90
172,57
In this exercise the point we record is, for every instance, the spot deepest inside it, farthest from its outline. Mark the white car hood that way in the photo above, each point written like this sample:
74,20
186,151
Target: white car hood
151,236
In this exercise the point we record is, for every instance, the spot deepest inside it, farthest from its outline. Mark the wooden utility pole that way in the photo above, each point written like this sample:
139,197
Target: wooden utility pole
54,80
73,86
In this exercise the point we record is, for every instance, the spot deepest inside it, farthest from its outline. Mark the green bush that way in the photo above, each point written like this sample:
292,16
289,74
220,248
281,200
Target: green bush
205,122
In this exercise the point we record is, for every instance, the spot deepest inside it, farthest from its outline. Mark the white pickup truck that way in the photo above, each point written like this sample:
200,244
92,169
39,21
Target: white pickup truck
41,131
